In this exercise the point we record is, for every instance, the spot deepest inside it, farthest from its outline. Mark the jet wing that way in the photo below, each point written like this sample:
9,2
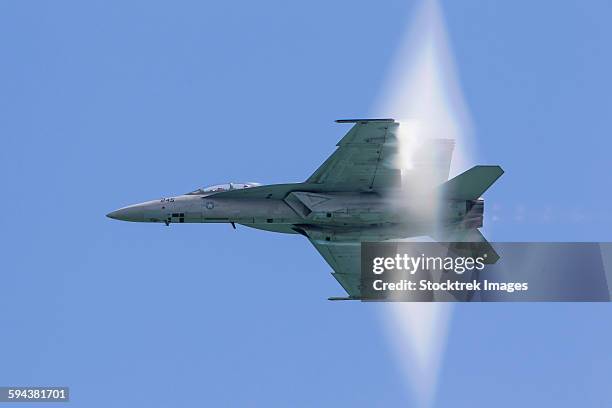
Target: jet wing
345,259
364,159
367,158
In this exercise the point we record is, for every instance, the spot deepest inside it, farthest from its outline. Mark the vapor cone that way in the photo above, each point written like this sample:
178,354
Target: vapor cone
423,93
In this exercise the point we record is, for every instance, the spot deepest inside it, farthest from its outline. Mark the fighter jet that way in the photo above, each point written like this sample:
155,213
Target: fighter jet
360,193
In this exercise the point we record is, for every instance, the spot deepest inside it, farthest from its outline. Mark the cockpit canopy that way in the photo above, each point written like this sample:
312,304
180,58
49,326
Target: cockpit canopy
224,187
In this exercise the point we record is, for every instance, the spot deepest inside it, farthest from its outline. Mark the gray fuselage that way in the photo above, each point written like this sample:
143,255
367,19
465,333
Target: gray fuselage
332,216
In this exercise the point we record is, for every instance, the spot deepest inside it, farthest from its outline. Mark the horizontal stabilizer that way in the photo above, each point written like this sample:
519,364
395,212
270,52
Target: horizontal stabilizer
473,244
471,184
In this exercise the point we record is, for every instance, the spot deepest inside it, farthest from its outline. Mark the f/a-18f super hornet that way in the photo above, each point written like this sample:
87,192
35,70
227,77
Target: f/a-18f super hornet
360,193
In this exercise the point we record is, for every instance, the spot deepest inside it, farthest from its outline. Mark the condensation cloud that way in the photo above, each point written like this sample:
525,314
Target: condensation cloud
422,91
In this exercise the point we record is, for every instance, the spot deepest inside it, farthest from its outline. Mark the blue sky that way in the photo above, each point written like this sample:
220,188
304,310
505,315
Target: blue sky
109,103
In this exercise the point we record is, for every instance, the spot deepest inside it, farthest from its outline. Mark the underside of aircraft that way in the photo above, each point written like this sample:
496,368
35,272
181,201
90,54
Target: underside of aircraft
378,185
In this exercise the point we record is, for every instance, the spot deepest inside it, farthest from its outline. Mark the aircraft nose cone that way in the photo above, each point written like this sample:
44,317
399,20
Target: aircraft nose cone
115,215
131,213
